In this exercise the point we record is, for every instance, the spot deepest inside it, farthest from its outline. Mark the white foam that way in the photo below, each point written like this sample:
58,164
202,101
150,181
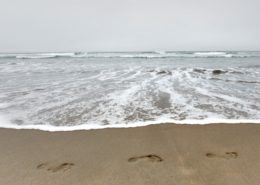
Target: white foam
213,54
93,93
33,56
210,53
5,124
44,55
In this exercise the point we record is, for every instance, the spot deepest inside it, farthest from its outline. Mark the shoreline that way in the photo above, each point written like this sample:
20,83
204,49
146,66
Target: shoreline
51,128
156,154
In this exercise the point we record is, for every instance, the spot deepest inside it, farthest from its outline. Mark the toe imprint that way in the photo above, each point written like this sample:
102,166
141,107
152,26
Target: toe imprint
227,155
42,165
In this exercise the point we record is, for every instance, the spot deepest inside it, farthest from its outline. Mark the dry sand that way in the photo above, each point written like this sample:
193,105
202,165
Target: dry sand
217,154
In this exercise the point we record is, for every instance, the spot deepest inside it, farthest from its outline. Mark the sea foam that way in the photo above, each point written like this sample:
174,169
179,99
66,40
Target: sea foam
4,123
68,93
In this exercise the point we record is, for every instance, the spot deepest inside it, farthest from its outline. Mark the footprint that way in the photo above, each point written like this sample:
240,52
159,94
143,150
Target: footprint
227,155
61,167
150,158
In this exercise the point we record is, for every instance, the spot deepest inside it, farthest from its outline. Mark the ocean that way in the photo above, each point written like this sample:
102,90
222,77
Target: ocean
68,91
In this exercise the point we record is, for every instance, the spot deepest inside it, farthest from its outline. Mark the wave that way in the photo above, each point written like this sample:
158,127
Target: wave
165,54
153,54
131,93
41,55
213,54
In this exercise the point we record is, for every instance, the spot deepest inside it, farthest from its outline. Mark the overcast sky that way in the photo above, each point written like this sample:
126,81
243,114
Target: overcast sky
128,25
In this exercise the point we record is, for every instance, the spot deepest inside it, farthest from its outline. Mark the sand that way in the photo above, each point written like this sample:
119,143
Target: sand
166,154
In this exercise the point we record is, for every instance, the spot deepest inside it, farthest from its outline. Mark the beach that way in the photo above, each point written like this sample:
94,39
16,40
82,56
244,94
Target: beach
213,154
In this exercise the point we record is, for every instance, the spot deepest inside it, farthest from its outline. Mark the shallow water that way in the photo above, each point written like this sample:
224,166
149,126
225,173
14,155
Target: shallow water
126,88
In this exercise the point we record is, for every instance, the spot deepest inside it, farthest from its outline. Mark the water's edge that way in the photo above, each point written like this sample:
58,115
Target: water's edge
52,128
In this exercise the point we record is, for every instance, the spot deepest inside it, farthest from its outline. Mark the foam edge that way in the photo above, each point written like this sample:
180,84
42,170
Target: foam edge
51,128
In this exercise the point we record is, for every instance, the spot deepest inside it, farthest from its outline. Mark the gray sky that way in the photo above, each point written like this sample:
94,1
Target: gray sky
129,25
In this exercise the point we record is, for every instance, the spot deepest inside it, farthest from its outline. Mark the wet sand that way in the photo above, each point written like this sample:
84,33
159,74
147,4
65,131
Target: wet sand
166,154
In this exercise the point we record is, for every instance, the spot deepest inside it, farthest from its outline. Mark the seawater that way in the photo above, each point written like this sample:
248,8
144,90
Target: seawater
68,91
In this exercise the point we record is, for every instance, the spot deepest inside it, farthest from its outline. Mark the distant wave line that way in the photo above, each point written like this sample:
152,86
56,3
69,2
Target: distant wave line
147,55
